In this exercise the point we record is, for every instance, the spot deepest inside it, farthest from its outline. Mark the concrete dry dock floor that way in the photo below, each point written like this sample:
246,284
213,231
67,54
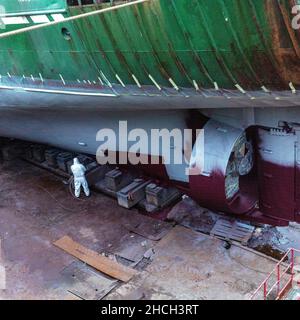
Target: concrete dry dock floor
36,209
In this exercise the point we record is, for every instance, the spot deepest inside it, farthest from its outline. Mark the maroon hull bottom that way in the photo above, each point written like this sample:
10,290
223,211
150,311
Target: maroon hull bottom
269,194
277,192
247,205
278,173
209,191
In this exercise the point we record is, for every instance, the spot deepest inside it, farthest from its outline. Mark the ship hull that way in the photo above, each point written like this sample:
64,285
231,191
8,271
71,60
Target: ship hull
237,63
199,44
76,128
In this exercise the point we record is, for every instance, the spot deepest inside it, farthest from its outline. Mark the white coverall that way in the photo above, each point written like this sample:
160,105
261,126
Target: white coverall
78,171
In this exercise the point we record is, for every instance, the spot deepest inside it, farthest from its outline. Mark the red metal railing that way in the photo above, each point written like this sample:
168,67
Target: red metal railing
282,276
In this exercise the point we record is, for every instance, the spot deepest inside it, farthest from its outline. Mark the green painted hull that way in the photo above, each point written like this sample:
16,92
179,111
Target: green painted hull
226,44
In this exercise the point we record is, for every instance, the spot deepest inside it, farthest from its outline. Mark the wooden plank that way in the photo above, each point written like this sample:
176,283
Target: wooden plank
92,258
232,230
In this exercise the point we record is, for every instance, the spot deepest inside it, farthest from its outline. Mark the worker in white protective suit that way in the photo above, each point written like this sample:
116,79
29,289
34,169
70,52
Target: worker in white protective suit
78,171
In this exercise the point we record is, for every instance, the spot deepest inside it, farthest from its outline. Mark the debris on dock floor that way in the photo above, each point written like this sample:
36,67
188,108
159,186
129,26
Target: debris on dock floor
189,214
273,241
190,265
174,262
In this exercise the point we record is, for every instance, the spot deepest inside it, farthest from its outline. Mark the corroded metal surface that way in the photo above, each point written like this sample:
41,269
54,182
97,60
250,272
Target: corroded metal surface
194,44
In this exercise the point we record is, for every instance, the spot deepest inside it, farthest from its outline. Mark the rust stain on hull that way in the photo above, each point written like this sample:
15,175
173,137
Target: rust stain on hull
285,42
